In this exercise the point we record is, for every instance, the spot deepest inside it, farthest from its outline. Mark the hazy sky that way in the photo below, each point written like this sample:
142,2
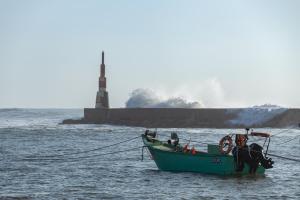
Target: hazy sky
220,53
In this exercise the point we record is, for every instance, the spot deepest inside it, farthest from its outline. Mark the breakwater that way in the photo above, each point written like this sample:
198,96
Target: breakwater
191,118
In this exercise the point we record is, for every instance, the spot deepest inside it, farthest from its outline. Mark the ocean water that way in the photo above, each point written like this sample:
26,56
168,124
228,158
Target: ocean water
41,159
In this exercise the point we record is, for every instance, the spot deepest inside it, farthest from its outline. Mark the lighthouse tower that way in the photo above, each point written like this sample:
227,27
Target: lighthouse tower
102,94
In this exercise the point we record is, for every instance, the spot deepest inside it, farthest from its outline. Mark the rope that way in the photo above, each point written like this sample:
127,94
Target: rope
259,139
283,131
285,158
91,150
83,157
278,156
288,140
48,157
280,132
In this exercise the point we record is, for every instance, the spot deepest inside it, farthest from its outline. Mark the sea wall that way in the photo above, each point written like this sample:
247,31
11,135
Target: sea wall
191,118
289,118
159,117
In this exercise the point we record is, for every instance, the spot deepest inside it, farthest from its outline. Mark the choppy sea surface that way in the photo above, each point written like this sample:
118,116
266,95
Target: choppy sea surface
41,159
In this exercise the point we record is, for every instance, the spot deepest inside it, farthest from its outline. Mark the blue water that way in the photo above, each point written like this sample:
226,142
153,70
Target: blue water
28,136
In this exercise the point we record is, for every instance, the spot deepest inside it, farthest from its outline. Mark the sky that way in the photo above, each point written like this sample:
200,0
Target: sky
232,53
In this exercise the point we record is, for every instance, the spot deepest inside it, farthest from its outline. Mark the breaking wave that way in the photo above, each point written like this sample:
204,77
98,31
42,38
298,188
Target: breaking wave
257,114
145,98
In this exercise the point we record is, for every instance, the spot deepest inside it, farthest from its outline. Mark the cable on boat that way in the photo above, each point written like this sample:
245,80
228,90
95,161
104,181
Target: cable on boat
278,156
91,150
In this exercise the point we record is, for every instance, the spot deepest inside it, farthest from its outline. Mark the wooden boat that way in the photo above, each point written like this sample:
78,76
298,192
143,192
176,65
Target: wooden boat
219,159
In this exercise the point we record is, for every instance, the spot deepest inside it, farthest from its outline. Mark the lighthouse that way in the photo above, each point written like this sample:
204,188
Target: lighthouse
102,94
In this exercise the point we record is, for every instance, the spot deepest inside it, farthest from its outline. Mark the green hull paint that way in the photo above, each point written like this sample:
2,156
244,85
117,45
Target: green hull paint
202,162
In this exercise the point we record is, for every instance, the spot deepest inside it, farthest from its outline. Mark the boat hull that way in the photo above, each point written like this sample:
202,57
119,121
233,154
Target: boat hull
201,162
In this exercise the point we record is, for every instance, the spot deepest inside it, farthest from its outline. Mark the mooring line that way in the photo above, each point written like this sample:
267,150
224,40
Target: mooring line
81,158
285,158
87,151
103,154
75,159
280,132
288,140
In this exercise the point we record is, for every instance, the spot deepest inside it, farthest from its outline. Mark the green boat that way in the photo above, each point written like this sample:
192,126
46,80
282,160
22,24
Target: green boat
222,159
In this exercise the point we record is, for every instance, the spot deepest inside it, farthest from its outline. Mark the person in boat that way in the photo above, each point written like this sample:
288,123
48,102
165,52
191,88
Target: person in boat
241,146
146,132
252,155
152,134
174,139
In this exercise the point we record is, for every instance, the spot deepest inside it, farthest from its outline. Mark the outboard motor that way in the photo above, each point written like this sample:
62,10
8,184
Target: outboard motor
252,155
256,152
174,139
